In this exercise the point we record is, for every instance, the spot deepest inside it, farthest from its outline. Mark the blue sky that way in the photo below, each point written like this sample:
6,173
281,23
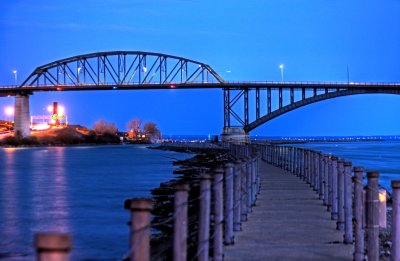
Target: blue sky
316,40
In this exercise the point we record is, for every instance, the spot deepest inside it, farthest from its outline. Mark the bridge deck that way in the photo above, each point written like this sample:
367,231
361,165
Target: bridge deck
289,222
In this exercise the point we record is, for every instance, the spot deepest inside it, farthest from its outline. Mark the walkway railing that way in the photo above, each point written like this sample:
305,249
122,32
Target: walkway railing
228,192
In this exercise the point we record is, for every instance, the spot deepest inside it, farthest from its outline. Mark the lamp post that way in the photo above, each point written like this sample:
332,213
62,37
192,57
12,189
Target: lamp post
281,67
15,72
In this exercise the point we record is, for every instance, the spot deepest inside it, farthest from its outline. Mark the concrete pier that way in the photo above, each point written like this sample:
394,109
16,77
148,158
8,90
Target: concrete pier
22,116
235,135
289,222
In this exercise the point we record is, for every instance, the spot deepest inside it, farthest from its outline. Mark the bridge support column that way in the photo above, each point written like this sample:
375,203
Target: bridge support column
235,135
22,116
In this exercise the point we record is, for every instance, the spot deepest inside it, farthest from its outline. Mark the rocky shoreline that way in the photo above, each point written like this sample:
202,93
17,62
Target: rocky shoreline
188,171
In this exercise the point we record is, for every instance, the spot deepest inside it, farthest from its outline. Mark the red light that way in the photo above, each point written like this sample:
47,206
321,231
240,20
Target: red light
59,89
172,86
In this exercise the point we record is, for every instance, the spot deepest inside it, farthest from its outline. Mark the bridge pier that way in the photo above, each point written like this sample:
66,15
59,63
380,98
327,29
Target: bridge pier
21,116
235,135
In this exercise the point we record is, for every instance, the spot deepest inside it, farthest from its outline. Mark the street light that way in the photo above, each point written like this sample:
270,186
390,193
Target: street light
9,111
15,76
281,67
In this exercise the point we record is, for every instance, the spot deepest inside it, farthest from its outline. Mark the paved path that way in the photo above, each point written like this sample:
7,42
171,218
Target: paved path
289,222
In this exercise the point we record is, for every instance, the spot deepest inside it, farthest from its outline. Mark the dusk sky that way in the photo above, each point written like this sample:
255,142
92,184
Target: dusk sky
316,40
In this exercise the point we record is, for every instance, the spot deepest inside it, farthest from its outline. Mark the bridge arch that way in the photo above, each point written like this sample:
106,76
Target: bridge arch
304,102
121,69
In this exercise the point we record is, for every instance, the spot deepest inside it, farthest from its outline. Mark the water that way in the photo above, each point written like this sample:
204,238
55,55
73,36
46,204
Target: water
383,156
79,190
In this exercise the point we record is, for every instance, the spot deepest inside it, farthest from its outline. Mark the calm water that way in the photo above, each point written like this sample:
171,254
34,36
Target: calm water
79,190
381,156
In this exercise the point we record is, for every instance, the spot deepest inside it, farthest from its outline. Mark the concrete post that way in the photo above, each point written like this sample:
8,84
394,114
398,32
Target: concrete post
326,181
334,213
330,184
340,222
181,222
52,246
358,214
203,244
372,215
22,118
396,220
140,228
321,176
249,190
218,214
348,199
306,167
243,193
312,169
294,160
237,201
228,235
316,172
303,164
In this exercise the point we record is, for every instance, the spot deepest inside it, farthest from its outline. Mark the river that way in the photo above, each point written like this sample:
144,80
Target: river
79,190
382,156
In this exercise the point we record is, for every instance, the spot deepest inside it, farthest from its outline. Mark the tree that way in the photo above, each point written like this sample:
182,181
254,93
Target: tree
134,125
102,127
150,129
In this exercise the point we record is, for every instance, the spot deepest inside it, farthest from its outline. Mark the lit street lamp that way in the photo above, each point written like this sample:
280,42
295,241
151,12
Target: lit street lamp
281,67
15,76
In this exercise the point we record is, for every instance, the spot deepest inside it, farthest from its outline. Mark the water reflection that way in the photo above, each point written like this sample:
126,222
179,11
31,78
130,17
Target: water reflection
49,197
9,204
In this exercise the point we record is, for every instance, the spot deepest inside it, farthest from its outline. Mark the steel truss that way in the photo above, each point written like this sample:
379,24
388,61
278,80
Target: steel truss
121,69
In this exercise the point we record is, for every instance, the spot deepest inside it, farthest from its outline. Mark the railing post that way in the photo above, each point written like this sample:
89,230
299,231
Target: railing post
340,170
218,214
140,228
243,189
237,201
330,184
373,215
348,196
52,246
396,220
312,169
334,213
316,172
203,244
326,182
249,190
181,222
358,214
306,167
321,176
228,236
254,164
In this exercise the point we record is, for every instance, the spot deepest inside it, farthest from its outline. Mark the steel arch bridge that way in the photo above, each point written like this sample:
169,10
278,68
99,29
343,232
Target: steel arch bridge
246,104
250,105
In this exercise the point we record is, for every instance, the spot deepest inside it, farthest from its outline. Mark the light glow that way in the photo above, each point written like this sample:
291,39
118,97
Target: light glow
9,111
41,126
61,110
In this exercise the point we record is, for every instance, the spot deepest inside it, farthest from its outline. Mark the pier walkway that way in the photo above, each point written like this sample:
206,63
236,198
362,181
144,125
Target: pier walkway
289,222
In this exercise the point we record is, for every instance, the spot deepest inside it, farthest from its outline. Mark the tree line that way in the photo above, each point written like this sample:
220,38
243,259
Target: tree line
149,129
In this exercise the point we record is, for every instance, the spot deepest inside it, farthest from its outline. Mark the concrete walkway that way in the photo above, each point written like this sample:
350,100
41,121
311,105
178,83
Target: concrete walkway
289,222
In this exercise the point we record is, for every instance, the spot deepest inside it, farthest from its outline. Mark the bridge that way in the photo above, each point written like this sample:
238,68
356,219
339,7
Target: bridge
247,105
